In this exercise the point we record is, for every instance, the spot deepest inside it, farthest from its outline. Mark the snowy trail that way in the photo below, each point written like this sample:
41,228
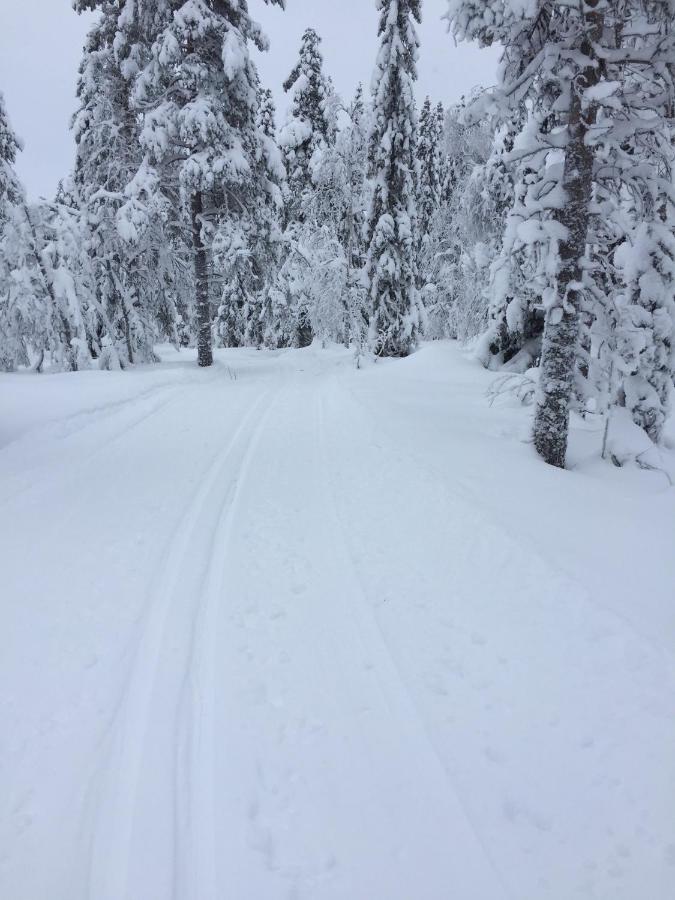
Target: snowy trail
312,789
149,734
267,640
185,696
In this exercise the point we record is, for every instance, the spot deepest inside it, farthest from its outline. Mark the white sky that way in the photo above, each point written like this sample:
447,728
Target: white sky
41,41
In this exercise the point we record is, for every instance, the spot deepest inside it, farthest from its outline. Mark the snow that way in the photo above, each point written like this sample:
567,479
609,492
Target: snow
284,629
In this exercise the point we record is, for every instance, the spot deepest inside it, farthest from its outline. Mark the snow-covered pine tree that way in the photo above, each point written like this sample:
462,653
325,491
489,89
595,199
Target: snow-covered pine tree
581,32
551,61
108,156
519,275
198,92
639,148
50,291
391,226
595,78
46,309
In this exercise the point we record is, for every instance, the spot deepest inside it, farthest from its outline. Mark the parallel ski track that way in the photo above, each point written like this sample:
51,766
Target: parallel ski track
116,805
196,875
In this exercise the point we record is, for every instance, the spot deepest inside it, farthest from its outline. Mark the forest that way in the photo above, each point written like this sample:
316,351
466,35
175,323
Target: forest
534,219
337,462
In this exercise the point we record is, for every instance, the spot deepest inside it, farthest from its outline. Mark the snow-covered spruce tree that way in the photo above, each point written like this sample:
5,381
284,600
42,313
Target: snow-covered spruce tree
307,133
11,191
321,270
198,92
14,323
334,238
443,155
353,146
646,328
464,233
391,226
431,160
274,312
266,233
308,128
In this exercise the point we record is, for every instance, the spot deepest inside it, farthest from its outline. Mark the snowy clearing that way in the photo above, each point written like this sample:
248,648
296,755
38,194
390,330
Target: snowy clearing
284,630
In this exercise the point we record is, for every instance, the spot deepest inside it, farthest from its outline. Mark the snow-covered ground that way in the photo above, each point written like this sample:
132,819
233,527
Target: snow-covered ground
284,630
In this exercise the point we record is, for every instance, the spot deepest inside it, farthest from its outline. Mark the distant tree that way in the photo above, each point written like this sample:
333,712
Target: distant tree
431,161
308,129
14,317
391,225
463,234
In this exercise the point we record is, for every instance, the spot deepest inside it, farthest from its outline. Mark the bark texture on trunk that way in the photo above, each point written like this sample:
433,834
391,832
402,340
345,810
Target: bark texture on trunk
204,340
561,329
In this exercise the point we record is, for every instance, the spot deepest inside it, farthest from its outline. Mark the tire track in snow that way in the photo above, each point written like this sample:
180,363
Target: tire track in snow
118,804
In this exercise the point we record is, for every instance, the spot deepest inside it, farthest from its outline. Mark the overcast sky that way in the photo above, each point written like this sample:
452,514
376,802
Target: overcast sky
41,42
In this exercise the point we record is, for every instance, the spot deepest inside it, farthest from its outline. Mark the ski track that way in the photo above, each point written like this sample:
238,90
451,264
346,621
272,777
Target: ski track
196,877
121,802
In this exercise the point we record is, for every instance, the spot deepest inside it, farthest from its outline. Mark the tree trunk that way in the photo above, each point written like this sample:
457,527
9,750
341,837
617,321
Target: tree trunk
561,330
204,341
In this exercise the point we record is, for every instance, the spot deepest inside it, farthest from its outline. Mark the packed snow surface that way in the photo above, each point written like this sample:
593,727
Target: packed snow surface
286,630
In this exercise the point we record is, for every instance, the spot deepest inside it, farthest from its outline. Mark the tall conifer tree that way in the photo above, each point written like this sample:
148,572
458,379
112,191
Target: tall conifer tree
391,226
308,130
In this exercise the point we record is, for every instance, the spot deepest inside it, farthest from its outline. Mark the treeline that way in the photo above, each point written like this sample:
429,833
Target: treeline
537,218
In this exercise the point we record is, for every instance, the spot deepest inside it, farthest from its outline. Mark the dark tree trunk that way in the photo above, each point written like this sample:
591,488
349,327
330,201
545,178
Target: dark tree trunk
204,341
561,330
